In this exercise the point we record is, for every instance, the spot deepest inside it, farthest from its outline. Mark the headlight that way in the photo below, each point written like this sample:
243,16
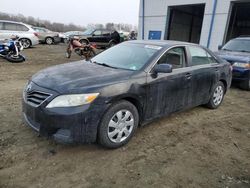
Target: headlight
242,65
72,100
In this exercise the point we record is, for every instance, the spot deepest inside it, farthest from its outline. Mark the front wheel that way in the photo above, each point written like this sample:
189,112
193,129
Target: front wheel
15,59
217,97
26,43
118,125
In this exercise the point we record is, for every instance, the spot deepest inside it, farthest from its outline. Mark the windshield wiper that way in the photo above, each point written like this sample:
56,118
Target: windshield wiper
244,51
103,64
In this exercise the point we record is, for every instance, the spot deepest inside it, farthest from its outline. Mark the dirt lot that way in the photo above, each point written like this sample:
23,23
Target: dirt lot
196,148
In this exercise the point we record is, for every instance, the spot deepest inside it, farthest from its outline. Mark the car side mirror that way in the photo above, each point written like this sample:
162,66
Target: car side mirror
163,68
93,35
220,47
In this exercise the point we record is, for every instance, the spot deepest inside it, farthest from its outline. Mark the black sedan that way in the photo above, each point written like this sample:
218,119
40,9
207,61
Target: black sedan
105,99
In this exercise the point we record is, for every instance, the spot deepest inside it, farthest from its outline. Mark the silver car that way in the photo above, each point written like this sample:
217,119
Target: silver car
47,36
27,35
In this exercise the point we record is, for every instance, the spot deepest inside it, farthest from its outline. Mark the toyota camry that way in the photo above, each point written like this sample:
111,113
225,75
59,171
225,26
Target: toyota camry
105,99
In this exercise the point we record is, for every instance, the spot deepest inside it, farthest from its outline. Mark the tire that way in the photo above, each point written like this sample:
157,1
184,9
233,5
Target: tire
245,85
66,41
25,42
49,40
116,129
111,44
83,41
18,59
217,96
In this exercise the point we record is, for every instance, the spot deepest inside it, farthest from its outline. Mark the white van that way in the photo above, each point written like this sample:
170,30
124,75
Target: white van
27,35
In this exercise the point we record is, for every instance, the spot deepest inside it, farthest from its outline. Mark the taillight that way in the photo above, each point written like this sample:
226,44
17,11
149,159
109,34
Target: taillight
36,34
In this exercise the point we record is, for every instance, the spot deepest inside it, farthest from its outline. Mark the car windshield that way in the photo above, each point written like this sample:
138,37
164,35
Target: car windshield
127,56
88,32
238,45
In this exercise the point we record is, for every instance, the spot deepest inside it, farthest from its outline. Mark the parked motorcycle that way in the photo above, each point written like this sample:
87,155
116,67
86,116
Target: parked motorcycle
86,51
10,50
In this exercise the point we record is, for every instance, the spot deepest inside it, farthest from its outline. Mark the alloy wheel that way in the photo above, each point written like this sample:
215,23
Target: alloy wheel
25,43
49,41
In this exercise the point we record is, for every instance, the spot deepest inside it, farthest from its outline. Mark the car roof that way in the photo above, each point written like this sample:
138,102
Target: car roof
12,22
243,38
163,43
8,21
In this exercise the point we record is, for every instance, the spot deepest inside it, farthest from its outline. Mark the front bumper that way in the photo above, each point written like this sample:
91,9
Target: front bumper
65,125
241,74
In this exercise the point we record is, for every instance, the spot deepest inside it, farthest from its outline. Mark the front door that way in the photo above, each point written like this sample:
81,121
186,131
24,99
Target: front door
96,36
169,92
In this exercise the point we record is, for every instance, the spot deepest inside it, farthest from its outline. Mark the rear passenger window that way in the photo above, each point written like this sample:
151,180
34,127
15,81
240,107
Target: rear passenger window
21,28
105,33
200,56
10,26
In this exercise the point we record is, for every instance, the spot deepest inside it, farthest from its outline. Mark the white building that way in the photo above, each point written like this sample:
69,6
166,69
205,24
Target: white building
207,22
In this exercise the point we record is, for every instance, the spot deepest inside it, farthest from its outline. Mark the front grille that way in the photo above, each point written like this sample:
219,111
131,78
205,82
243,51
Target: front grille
36,98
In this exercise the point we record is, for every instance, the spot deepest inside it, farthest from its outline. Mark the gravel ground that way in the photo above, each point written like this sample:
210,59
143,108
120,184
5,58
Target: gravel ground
196,148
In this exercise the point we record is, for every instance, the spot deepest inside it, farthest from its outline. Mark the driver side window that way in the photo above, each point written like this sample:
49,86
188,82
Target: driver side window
175,57
98,33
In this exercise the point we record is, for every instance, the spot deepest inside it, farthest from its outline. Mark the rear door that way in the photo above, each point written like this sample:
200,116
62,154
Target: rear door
169,92
106,36
205,72
9,29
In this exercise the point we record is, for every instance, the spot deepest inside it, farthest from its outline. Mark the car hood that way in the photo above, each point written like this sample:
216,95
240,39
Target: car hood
78,76
234,56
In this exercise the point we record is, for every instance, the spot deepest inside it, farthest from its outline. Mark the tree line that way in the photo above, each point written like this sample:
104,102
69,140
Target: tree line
60,27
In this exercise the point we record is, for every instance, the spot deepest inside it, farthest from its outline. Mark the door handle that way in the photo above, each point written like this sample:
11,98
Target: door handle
188,76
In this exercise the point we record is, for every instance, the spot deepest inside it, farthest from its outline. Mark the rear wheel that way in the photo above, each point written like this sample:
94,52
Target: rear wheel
49,40
111,44
217,96
118,125
25,42
91,54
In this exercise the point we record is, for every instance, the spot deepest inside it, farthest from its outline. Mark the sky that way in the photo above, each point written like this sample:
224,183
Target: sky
79,12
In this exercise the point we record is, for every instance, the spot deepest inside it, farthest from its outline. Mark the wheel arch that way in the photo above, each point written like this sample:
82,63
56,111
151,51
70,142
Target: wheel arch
113,40
224,81
49,37
133,100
